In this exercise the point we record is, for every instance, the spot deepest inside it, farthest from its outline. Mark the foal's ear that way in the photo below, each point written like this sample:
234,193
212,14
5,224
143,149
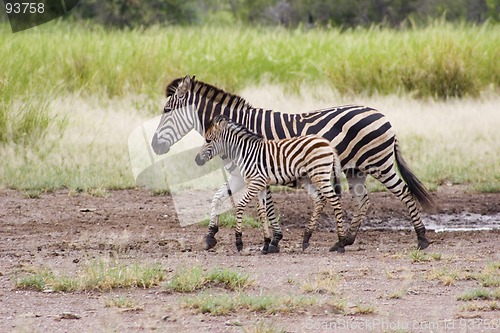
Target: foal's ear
222,122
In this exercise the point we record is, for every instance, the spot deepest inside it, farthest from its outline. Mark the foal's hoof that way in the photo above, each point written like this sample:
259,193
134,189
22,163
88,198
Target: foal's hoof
265,248
273,249
423,243
305,246
338,247
210,242
349,240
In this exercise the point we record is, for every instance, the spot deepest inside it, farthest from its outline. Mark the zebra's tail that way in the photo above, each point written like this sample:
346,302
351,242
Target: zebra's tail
417,189
337,171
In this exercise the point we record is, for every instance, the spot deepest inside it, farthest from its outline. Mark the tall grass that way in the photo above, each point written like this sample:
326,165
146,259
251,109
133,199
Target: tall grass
440,60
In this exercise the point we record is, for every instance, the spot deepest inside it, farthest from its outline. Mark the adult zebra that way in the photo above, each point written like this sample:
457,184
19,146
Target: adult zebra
309,160
362,136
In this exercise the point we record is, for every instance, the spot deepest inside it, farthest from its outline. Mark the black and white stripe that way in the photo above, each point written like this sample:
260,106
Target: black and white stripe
310,160
363,138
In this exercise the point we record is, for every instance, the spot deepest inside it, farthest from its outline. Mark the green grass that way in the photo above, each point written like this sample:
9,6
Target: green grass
189,280
97,275
228,220
480,294
441,60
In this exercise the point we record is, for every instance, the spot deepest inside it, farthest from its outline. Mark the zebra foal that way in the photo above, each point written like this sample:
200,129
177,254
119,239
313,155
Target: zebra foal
310,160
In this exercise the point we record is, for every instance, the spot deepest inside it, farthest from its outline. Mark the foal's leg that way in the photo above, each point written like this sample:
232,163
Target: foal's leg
252,190
319,204
233,185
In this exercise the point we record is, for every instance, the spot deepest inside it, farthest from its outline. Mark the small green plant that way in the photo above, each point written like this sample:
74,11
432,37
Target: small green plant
418,256
120,302
362,309
322,283
492,306
397,294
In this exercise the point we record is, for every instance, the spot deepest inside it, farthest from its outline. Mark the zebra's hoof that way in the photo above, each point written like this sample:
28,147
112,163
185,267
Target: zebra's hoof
305,246
239,246
338,247
210,242
423,243
273,249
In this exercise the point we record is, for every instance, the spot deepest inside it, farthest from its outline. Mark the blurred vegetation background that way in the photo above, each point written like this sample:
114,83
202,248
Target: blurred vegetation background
289,13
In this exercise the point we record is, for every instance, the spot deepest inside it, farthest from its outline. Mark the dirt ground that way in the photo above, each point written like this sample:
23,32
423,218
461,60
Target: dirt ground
381,286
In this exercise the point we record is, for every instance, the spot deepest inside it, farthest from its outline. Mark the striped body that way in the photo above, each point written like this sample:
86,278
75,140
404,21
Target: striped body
308,159
363,138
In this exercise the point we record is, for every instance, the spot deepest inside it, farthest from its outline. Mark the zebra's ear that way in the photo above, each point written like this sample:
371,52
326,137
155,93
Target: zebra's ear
185,85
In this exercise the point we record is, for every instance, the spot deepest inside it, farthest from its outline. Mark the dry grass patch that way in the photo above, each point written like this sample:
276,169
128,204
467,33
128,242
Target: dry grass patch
322,283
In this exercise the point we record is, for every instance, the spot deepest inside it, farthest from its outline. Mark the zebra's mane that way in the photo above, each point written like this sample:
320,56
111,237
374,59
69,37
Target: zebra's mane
209,91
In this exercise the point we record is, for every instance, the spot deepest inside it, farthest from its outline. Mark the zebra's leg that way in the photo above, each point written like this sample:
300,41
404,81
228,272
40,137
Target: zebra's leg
395,184
234,184
263,219
252,190
271,215
357,187
319,204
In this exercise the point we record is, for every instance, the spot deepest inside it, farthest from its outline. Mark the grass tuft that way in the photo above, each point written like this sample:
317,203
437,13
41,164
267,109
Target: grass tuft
97,275
225,304
228,220
189,280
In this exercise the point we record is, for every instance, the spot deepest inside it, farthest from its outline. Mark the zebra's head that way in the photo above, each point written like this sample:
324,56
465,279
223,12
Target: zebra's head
214,140
178,115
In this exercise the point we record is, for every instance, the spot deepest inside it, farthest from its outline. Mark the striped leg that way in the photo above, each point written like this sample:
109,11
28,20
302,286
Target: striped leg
319,204
252,190
326,190
391,180
263,220
271,215
233,185
357,179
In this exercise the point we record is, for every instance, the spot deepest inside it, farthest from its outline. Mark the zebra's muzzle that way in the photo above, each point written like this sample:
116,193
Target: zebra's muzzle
200,161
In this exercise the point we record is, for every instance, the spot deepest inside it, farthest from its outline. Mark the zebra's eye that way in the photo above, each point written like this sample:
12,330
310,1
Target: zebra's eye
208,140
